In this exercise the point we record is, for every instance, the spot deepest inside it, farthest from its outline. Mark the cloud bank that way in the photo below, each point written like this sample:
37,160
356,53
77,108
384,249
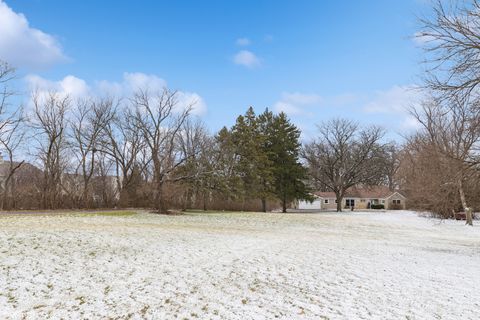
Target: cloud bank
77,88
24,46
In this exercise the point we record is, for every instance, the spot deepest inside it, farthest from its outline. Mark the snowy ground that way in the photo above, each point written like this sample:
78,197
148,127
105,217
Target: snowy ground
390,265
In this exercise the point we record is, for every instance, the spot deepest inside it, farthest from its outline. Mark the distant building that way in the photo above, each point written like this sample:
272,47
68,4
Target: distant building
358,198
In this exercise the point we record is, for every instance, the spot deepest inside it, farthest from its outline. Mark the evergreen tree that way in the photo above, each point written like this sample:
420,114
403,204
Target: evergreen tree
262,154
283,150
253,164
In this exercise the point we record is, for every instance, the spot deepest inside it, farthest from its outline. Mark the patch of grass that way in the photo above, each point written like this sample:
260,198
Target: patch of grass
106,290
217,212
119,213
71,213
11,298
81,300
144,310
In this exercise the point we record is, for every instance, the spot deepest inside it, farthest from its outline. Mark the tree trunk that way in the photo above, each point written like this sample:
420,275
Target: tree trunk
468,211
160,201
264,205
85,198
6,193
339,202
284,205
204,201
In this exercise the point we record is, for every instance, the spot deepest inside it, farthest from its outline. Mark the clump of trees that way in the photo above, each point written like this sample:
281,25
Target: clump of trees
441,162
266,152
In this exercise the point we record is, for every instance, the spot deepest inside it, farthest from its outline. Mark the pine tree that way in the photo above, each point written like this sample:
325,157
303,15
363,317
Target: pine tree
254,165
283,150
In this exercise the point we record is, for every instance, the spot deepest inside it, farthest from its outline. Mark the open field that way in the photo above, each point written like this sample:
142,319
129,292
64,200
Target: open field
238,266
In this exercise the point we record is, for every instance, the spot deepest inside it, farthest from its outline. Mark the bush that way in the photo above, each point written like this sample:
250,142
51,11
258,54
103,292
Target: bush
377,206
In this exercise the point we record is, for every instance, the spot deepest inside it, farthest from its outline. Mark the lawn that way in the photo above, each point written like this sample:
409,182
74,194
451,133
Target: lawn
358,265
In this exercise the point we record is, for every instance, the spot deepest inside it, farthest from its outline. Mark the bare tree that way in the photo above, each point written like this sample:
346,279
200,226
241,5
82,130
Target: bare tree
451,39
104,184
450,119
195,145
160,118
453,128
11,136
88,124
11,131
49,122
7,74
344,155
428,177
124,143
391,164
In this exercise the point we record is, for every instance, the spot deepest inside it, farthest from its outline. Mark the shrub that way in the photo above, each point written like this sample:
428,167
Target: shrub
377,206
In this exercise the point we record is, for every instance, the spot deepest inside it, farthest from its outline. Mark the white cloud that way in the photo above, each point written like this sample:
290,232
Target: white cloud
77,88
243,42
395,103
138,80
191,99
24,46
246,58
397,99
70,85
288,108
295,103
130,83
410,123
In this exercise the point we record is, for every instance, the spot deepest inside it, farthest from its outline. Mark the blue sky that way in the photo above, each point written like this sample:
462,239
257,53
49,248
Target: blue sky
312,59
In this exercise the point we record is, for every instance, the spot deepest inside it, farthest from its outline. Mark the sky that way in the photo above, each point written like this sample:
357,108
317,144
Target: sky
314,60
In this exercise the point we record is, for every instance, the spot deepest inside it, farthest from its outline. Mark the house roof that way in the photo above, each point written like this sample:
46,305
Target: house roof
373,192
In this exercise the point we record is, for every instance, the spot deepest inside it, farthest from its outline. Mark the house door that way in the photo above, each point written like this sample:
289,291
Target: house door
350,203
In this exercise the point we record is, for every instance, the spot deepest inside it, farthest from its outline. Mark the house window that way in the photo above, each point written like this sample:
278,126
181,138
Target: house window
336,201
325,201
362,200
383,201
349,203
396,201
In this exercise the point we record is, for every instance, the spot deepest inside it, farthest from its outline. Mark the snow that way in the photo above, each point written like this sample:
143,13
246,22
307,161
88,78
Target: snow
359,265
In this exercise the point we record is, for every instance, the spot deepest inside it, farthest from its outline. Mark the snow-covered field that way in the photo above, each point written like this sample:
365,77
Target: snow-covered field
391,265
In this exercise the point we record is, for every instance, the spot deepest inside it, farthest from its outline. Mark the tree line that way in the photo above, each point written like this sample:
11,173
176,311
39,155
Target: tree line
149,151
144,151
